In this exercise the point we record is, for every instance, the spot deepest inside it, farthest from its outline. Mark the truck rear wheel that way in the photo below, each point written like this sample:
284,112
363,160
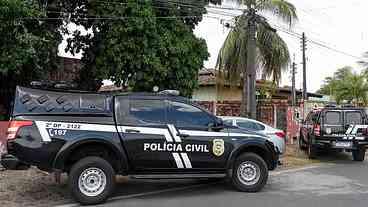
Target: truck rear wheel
250,173
359,154
91,180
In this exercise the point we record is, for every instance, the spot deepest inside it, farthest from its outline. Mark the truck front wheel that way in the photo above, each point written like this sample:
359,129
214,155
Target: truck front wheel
250,173
359,154
91,180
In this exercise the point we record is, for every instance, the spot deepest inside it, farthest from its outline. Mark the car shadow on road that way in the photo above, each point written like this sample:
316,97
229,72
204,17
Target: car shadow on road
168,189
127,186
335,157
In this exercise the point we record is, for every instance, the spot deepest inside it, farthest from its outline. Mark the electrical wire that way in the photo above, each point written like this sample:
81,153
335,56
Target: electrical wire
317,42
279,28
99,18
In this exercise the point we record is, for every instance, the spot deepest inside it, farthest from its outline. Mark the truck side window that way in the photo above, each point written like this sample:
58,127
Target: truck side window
185,115
148,111
141,111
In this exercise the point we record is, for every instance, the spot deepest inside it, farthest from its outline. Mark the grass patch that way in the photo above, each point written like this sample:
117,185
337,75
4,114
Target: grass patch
294,157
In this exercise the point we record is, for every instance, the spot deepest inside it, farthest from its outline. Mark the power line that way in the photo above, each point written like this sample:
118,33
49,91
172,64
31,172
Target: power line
316,42
99,18
223,13
334,49
225,8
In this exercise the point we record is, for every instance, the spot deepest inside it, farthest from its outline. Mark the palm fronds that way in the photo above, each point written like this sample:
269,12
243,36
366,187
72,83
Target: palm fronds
280,8
273,53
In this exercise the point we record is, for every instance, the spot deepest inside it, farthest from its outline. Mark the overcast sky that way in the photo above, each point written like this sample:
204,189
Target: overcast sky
339,24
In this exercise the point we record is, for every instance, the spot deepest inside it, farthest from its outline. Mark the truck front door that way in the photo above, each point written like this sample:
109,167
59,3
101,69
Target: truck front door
203,148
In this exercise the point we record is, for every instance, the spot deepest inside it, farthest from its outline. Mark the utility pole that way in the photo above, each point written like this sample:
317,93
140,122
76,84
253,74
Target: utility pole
304,47
293,92
251,69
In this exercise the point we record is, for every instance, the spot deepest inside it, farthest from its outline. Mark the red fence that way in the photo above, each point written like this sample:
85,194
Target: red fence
276,113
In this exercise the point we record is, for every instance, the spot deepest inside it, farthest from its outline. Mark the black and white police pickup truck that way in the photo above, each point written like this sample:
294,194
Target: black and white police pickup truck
92,137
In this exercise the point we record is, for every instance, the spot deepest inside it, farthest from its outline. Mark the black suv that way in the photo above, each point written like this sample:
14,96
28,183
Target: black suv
92,137
331,127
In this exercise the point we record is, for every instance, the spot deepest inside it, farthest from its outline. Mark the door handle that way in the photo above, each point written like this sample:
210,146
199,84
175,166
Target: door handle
132,131
182,135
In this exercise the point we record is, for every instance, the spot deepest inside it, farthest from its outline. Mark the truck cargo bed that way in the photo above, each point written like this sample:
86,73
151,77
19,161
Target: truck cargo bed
29,101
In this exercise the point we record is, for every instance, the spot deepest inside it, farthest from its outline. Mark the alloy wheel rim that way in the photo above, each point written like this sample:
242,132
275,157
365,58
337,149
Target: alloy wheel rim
248,173
92,182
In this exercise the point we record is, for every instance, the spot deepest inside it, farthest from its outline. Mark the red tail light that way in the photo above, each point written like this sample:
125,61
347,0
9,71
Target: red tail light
14,127
317,130
280,134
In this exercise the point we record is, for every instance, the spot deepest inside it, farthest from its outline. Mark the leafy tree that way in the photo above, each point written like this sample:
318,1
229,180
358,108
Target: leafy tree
346,85
28,46
271,52
353,88
143,44
331,83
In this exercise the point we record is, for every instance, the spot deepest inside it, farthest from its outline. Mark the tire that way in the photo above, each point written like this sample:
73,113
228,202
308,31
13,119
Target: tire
302,144
255,164
312,151
98,172
359,154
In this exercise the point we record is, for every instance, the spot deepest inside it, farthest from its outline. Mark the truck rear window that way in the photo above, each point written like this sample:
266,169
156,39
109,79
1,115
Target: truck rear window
353,117
333,117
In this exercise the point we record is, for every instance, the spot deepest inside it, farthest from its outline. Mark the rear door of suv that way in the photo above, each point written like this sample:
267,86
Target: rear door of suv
333,123
353,117
336,122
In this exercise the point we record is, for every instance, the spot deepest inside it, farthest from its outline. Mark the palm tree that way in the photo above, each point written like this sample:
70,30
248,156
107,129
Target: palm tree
252,40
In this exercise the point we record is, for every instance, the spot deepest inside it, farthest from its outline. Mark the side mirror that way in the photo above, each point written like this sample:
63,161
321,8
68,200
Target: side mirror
219,122
217,125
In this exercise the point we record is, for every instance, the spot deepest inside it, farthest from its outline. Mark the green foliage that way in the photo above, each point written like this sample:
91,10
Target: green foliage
27,46
266,90
144,49
346,86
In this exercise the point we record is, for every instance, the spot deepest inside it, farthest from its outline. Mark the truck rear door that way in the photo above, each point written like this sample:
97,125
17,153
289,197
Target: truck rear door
142,126
333,123
353,117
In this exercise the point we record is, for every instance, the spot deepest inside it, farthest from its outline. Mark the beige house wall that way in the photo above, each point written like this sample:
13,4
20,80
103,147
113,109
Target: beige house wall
212,93
205,93
229,94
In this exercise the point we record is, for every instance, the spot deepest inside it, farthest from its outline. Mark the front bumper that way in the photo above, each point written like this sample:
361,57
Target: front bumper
10,162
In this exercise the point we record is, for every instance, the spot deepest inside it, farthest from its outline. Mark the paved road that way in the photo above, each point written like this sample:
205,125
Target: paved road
331,185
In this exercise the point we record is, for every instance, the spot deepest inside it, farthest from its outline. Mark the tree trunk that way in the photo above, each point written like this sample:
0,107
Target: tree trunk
243,105
251,70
